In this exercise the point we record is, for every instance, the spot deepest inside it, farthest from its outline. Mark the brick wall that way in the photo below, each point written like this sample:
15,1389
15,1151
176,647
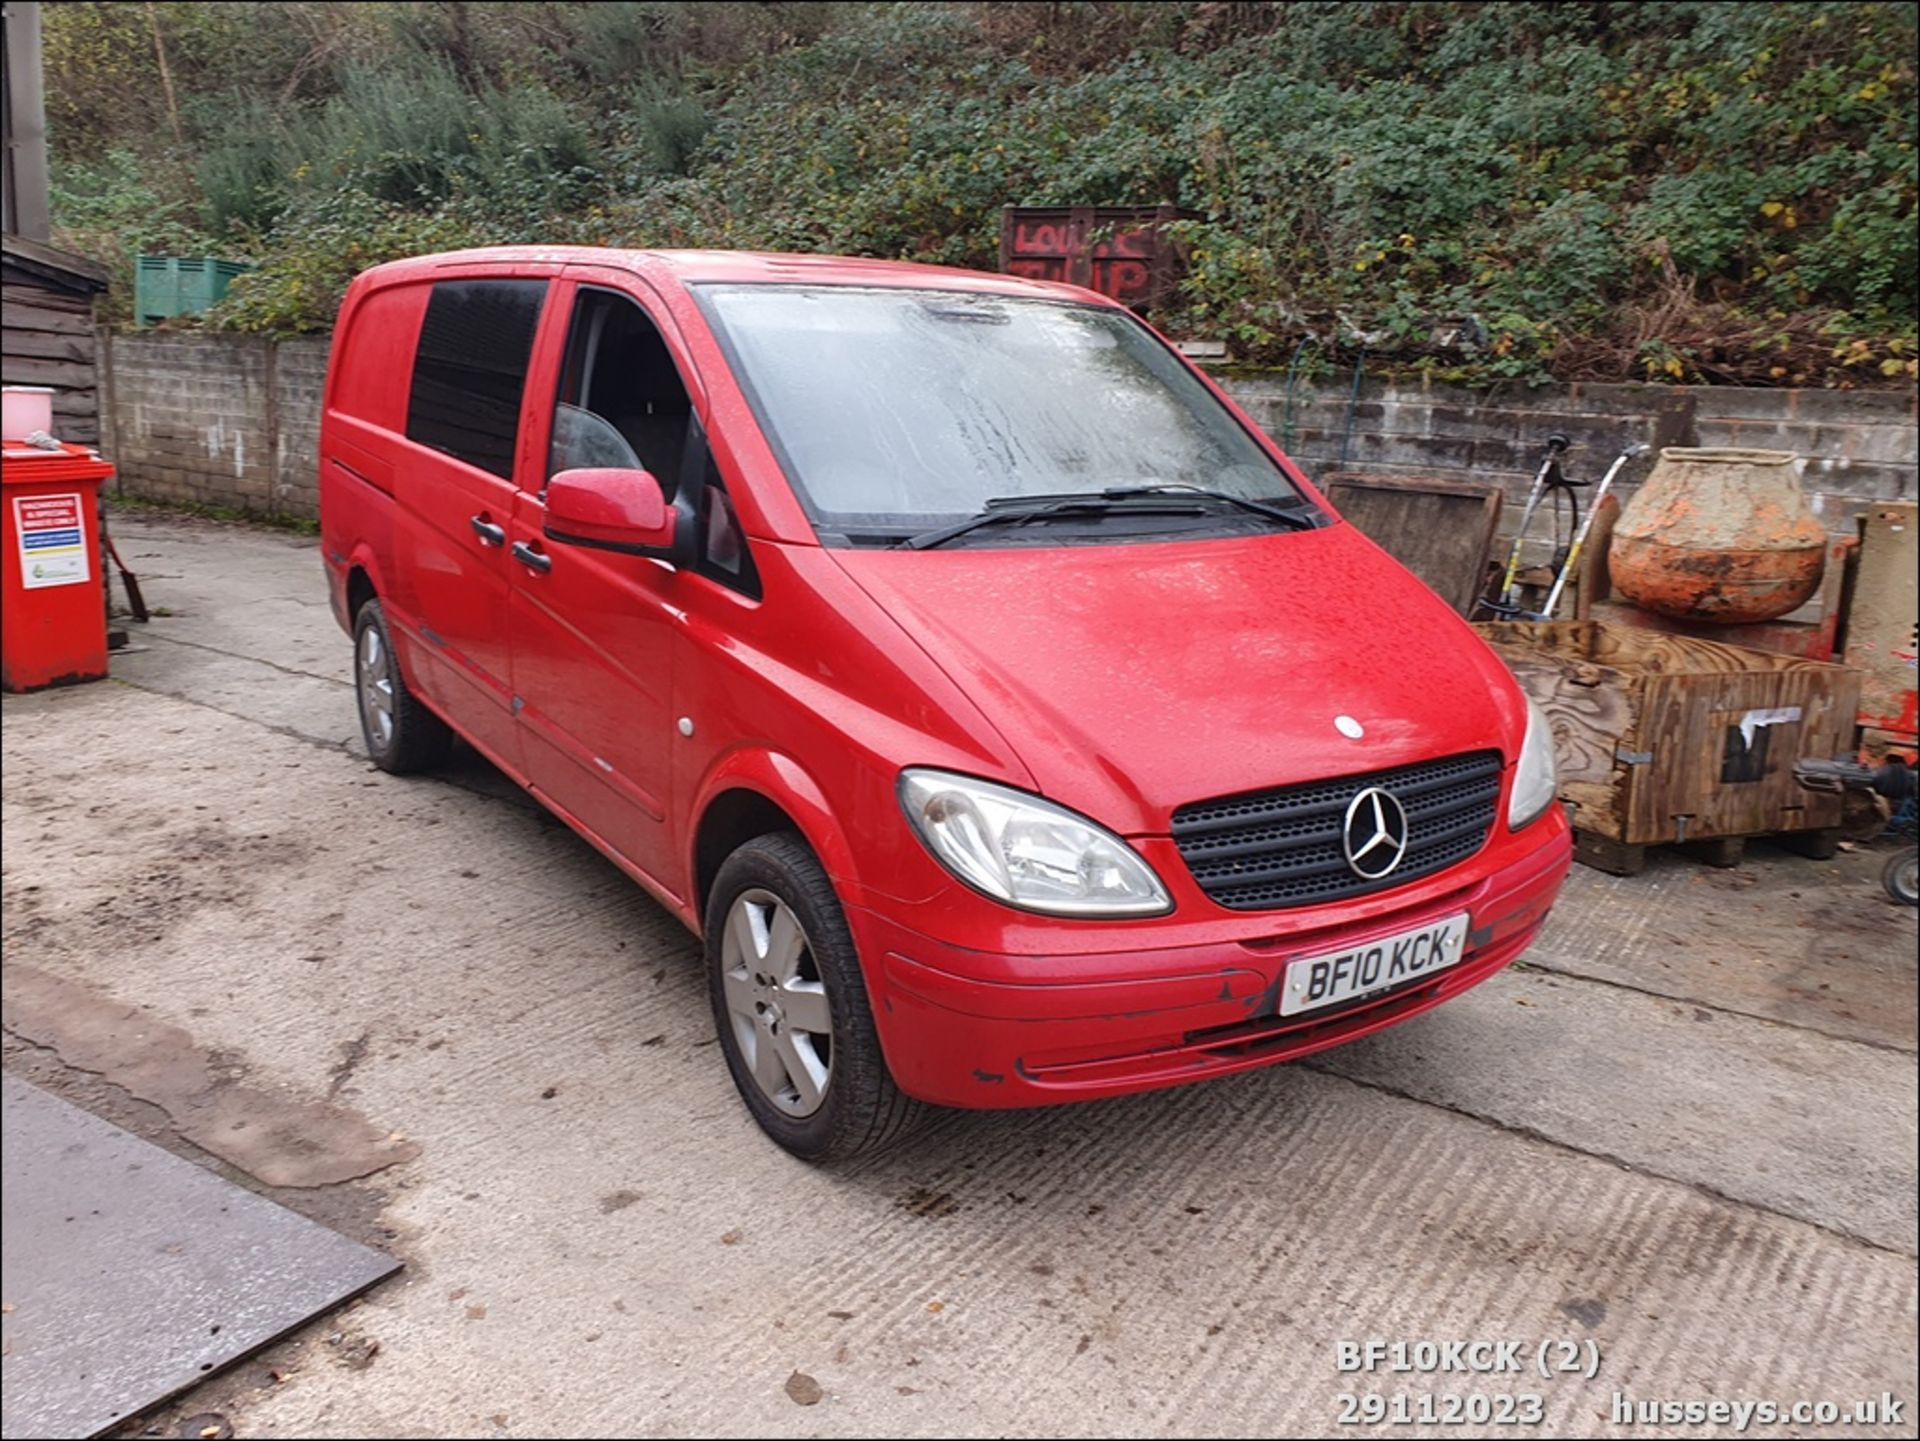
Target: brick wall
233,421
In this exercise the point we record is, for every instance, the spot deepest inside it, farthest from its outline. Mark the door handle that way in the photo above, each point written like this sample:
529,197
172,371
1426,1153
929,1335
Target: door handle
531,558
489,533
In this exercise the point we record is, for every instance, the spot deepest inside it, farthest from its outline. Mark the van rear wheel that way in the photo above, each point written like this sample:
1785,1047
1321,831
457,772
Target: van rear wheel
791,1007
402,735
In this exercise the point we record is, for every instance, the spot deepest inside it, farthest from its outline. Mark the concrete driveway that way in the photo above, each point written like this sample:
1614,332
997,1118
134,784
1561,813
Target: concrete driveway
1683,1131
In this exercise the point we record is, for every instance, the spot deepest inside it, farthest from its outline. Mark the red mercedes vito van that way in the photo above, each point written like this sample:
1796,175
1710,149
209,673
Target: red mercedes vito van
1012,719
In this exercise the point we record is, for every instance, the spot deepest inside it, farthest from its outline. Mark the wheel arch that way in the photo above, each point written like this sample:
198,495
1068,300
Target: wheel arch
760,792
360,590
364,581
362,578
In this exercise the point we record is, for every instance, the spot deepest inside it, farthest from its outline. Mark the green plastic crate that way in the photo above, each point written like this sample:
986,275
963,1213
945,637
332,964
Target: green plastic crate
168,285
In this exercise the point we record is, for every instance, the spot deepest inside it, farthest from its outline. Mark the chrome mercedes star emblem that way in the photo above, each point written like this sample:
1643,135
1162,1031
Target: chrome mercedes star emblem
1374,833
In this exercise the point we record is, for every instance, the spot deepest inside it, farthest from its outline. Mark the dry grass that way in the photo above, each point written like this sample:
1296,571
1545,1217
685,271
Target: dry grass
1675,335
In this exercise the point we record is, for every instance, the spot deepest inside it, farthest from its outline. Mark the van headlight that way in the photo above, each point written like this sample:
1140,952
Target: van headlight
1534,779
1028,852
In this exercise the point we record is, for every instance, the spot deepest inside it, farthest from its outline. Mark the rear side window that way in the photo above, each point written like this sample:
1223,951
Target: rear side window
471,367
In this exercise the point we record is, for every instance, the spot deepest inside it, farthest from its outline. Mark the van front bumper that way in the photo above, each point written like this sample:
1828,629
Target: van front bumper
1196,1012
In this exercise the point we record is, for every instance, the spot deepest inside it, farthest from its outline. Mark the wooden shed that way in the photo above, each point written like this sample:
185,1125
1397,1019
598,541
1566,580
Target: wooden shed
46,330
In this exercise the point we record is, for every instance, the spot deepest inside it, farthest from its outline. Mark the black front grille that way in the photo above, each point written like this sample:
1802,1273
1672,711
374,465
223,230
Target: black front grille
1266,850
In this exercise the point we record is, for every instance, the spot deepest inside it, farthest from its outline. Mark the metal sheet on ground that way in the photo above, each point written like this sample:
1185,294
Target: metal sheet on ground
130,1273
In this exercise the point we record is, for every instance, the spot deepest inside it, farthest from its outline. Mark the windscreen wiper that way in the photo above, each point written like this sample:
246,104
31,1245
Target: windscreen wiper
1292,519
1027,509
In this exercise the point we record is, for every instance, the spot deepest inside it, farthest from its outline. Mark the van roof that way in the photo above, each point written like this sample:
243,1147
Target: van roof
744,266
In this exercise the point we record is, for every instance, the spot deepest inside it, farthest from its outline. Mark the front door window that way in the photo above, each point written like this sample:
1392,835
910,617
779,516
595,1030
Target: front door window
621,403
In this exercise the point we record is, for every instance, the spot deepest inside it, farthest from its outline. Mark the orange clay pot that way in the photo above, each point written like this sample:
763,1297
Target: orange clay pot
1720,536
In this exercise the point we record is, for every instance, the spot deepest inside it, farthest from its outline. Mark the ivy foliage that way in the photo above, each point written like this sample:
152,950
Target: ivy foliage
1683,191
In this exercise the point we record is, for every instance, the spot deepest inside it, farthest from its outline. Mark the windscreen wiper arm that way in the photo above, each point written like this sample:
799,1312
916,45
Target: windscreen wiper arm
1026,509
1292,519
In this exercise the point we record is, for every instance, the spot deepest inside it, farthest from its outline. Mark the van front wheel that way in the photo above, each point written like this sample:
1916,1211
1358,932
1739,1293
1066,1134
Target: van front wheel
402,735
791,1006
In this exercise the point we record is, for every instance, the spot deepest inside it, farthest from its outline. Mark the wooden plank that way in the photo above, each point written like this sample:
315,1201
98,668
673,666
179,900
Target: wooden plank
1606,854
25,315
18,287
1652,652
1590,709
1573,639
1440,530
28,370
77,431
1726,852
1820,845
51,266
45,346
1594,583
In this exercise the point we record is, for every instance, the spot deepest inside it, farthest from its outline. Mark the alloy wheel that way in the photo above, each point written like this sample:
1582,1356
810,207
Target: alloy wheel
776,1002
375,676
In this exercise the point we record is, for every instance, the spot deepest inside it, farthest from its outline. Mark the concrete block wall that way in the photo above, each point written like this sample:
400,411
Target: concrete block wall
229,421
234,421
300,373
1857,447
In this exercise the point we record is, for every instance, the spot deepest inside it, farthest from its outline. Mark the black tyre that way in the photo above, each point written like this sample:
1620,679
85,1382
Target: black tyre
791,1007
402,735
1901,876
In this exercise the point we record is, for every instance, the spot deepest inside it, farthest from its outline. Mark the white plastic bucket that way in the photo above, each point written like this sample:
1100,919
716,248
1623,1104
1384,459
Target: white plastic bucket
27,408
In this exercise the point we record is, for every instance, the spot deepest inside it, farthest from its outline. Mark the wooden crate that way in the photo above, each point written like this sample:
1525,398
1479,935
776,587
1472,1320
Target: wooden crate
1667,738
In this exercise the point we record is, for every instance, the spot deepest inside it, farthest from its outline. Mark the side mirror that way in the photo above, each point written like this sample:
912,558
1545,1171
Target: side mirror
619,510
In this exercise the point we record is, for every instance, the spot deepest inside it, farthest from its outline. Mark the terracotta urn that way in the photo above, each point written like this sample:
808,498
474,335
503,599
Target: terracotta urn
1720,536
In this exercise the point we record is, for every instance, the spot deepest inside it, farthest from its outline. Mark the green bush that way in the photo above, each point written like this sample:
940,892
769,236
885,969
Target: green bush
1685,191
119,208
320,244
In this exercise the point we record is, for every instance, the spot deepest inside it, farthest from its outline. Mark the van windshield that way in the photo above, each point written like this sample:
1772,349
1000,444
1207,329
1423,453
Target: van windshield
897,411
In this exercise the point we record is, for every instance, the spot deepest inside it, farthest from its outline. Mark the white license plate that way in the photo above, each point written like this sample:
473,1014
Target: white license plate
1327,980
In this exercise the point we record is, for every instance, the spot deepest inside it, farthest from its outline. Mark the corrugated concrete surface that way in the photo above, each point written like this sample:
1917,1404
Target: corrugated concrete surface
1718,1196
